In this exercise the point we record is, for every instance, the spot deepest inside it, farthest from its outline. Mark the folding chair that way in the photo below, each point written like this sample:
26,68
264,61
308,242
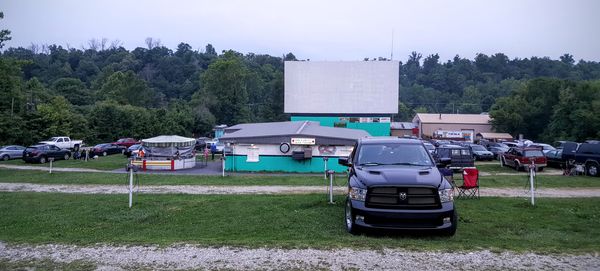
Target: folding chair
470,187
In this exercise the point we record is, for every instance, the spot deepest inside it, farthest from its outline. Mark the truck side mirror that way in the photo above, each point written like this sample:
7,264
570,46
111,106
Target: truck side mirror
344,161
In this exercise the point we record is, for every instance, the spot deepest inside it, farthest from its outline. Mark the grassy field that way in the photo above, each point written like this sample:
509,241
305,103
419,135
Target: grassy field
34,176
554,225
109,162
43,177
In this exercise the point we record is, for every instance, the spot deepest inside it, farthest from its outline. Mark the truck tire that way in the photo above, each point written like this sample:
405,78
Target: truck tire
592,169
349,216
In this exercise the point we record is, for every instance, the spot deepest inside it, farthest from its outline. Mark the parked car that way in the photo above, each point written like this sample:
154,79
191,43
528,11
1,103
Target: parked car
521,157
459,156
481,153
126,142
11,152
545,147
554,159
201,143
430,148
497,149
586,154
133,150
64,142
511,144
42,152
107,149
394,184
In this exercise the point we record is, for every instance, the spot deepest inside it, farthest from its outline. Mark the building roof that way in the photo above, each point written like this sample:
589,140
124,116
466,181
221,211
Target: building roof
402,125
453,118
495,135
277,132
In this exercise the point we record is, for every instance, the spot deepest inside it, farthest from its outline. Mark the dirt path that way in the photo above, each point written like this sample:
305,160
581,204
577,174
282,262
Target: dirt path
106,257
274,189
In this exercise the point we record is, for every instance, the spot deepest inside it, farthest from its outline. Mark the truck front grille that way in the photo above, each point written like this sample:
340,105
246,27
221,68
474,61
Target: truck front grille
398,197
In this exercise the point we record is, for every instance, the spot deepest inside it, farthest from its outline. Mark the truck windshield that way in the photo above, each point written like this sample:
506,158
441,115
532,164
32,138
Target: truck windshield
53,139
393,154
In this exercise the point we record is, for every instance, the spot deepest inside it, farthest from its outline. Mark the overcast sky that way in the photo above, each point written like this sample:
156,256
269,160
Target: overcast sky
319,30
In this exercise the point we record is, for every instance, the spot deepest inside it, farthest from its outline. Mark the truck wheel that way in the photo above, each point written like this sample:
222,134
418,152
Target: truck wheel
42,160
5,157
349,219
592,169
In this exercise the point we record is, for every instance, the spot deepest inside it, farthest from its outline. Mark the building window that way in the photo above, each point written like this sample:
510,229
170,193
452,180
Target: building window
252,154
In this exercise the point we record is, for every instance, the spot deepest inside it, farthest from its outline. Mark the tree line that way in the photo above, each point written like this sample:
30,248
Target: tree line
103,91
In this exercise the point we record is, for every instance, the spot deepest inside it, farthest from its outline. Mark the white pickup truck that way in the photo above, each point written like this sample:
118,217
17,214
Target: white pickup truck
64,142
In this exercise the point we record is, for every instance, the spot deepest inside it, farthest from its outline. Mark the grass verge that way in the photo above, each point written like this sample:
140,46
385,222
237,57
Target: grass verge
299,221
42,177
109,162
34,176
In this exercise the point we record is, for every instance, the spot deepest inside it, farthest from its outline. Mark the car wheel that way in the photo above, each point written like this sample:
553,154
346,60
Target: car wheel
592,169
5,157
122,151
66,156
42,160
104,153
452,230
517,165
349,218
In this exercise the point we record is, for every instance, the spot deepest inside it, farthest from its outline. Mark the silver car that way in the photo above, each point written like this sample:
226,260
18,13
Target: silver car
11,152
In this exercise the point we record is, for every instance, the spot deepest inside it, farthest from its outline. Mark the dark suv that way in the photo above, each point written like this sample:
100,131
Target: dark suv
394,183
41,153
587,154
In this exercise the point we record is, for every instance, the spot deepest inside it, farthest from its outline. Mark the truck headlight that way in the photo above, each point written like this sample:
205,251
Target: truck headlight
357,193
446,195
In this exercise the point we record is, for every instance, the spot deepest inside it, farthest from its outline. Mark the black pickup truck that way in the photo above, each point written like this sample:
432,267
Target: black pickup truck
394,184
586,154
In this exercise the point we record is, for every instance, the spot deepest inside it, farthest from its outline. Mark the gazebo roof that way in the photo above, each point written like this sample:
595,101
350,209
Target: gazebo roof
169,141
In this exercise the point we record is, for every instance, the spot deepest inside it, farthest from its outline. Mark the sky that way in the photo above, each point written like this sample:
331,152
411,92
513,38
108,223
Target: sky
319,30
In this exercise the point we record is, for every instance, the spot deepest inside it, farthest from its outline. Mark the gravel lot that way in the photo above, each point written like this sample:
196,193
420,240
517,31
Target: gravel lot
206,189
193,257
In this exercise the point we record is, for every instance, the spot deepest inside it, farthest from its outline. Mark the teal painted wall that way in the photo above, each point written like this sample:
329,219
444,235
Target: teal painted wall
373,128
282,164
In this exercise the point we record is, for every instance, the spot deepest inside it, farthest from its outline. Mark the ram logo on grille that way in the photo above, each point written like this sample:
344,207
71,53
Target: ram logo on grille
402,195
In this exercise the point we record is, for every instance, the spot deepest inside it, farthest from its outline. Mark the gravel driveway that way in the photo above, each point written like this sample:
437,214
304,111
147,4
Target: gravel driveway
207,189
107,257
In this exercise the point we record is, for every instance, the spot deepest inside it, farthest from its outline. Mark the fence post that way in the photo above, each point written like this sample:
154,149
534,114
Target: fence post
331,174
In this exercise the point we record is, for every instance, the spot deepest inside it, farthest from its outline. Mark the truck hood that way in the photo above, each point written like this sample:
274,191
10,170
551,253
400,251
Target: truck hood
399,175
46,142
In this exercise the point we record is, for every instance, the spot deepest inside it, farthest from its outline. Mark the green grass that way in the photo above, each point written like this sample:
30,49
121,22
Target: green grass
543,181
288,221
494,168
109,162
43,177
40,265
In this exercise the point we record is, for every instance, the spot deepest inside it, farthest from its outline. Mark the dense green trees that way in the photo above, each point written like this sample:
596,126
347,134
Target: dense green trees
102,92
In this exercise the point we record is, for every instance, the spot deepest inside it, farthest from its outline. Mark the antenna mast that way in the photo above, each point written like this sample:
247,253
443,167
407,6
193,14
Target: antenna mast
392,53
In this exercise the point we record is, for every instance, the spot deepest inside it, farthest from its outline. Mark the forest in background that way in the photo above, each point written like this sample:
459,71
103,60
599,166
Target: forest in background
103,91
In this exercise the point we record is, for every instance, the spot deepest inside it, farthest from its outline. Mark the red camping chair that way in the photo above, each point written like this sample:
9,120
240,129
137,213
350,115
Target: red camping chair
470,187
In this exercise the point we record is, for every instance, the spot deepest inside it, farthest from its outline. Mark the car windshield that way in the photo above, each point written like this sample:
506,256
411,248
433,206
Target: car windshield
122,140
478,148
534,153
393,154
